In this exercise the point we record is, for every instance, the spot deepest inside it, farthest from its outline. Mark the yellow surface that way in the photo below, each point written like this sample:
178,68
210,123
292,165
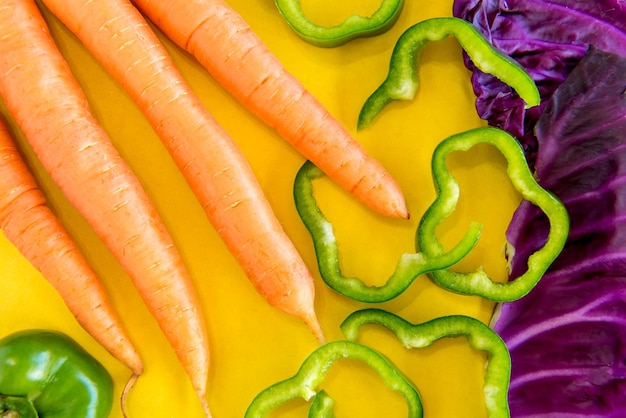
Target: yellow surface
252,344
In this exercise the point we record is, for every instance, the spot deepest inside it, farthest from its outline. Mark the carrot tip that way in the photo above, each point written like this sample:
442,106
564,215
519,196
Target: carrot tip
394,206
395,212
127,388
313,324
398,210
205,406
401,210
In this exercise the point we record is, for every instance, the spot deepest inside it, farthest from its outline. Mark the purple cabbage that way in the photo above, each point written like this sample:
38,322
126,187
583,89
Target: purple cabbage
548,38
567,337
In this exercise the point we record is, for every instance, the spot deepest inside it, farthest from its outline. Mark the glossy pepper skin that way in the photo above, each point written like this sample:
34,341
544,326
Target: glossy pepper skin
46,374
403,77
304,384
478,283
479,337
409,265
353,27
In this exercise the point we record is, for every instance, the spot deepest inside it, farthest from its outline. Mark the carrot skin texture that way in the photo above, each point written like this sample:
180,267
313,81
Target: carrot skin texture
41,238
48,104
239,60
211,162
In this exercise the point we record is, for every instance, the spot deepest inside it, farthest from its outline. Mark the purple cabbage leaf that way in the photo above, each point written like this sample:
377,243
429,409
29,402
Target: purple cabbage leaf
548,38
567,337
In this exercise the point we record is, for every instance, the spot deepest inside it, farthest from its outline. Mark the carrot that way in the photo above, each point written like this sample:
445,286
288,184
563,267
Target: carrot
47,103
215,168
238,59
41,238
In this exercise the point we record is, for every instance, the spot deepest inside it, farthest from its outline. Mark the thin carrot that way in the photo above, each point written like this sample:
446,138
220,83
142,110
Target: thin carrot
120,38
240,61
47,103
41,238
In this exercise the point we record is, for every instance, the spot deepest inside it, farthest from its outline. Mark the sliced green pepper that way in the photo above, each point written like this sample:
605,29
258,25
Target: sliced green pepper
402,80
46,374
322,406
353,27
409,266
479,336
479,283
313,370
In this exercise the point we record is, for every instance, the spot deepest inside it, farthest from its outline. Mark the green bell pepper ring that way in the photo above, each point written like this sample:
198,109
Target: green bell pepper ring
313,370
353,27
479,336
402,80
48,375
478,283
408,268
322,406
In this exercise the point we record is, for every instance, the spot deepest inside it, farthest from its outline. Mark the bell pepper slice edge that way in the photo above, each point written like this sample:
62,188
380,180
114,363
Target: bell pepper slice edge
408,268
402,81
313,370
355,26
479,336
322,406
478,283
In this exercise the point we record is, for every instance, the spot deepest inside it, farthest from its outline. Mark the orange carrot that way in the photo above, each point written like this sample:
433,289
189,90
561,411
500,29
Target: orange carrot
52,111
238,59
120,38
41,238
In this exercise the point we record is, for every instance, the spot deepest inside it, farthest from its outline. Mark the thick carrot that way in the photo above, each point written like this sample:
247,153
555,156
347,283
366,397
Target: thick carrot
120,38
41,238
49,106
240,61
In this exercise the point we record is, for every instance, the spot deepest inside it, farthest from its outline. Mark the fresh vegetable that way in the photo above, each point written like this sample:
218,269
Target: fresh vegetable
353,27
567,335
162,392
478,283
431,256
215,168
40,237
219,38
548,39
305,382
322,406
479,337
409,266
14,407
49,106
47,374
403,78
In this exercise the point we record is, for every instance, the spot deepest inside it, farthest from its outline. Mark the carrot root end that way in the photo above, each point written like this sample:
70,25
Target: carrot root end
129,385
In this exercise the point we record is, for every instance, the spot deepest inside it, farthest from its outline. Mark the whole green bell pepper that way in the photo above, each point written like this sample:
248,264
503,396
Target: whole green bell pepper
46,374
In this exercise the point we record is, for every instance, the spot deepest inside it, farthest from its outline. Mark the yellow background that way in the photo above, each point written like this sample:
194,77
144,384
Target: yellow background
252,344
